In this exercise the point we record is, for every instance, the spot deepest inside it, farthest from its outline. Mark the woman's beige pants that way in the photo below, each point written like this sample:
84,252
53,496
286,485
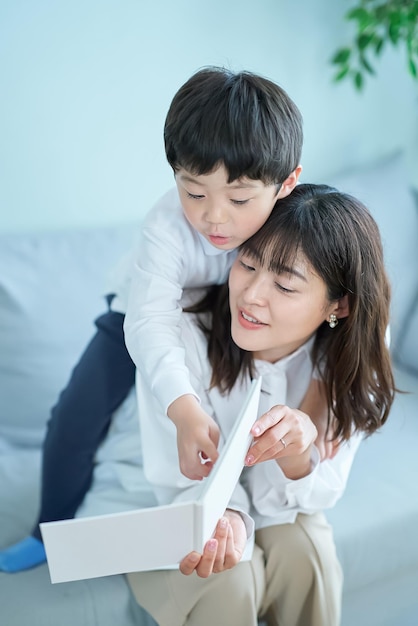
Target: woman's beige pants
293,579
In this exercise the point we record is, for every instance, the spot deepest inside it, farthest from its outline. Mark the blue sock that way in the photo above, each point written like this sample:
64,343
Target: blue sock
25,554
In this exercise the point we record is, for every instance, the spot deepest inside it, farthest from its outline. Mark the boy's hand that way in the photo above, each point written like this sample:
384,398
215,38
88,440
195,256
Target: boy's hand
197,437
220,553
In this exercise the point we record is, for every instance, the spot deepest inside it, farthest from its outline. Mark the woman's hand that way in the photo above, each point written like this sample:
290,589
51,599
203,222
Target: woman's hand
220,553
285,435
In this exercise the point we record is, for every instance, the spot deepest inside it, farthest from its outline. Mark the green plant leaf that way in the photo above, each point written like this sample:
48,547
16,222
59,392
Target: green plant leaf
394,32
341,56
377,23
381,12
379,44
358,80
364,62
364,40
342,73
361,16
358,13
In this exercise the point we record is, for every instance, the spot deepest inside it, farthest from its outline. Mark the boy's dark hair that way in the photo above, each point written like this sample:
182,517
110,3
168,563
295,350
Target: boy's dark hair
241,120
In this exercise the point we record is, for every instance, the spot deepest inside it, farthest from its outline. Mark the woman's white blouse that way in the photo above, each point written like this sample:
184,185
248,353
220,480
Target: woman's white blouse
263,491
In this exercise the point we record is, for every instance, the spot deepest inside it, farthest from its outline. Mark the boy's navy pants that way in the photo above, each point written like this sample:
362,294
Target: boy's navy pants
80,420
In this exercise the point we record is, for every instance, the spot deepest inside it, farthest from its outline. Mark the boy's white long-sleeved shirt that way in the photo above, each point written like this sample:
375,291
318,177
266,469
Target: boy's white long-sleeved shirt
263,491
170,256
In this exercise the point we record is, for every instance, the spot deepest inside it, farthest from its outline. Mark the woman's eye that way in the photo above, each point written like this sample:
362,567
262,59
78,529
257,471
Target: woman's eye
247,267
283,289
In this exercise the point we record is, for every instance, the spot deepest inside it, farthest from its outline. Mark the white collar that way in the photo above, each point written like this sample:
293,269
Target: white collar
265,368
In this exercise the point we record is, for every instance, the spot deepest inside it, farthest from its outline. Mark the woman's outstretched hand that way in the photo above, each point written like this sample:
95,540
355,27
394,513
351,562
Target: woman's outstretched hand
223,551
285,435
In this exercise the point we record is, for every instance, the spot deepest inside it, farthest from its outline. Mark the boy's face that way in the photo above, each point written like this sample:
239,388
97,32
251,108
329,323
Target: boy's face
227,214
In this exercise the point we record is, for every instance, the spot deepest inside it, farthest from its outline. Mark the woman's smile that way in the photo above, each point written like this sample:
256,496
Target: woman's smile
248,321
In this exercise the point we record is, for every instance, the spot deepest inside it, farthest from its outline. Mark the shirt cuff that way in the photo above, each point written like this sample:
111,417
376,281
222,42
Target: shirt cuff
170,388
250,530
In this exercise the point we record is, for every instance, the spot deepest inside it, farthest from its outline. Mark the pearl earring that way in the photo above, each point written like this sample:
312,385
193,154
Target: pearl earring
333,321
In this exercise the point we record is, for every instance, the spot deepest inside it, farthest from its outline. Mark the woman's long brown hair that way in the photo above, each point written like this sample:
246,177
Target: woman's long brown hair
341,241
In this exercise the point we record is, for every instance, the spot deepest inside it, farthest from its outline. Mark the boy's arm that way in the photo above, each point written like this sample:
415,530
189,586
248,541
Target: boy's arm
159,434
169,257
315,405
153,313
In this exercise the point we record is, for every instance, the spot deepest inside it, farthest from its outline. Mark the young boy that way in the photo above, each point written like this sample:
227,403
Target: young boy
234,142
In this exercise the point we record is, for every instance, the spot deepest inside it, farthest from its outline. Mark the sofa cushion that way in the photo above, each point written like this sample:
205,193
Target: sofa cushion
51,290
375,521
384,189
407,348
28,598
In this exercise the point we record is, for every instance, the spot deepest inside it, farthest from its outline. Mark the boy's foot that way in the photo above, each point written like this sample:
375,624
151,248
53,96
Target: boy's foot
25,554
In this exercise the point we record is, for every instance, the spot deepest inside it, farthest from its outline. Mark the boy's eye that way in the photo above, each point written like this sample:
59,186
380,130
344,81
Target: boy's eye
239,202
194,196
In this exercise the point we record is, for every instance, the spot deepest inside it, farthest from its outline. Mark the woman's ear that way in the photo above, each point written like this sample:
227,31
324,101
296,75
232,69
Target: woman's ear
342,308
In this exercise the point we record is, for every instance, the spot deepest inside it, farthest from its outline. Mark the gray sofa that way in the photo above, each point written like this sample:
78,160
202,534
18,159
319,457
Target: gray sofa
50,291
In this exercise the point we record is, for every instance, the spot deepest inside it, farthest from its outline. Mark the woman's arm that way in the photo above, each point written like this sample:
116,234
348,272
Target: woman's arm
276,495
286,473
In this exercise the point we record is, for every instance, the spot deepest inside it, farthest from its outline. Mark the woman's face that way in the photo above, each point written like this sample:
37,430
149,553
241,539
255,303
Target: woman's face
273,314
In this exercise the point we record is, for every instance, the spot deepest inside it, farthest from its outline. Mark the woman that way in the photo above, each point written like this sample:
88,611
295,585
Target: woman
308,297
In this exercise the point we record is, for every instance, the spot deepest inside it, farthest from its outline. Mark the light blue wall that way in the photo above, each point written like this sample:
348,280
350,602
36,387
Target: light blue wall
85,86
